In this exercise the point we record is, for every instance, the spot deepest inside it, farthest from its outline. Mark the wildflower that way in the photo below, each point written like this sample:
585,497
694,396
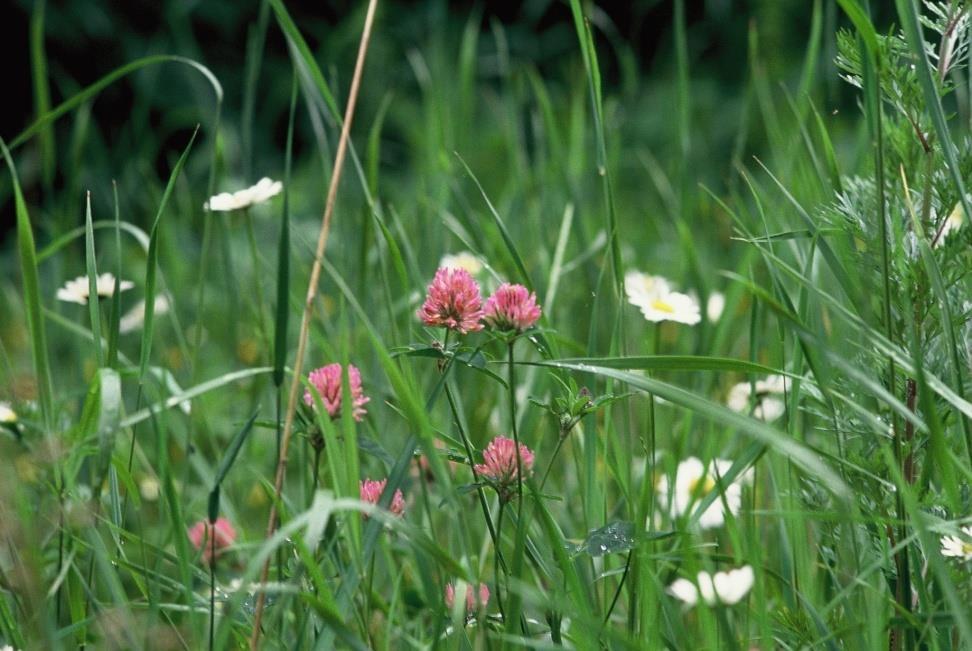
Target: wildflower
500,465
511,307
692,482
640,287
371,491
656,300
474,601
77,290
955,546
768,402
135,317
954,221
149,488
453,302
327,381
715,306
462,260
722,587
223,536
264,190
7,415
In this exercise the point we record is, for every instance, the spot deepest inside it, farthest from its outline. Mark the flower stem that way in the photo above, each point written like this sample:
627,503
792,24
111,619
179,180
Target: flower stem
212,586
499,558
469,457
511,380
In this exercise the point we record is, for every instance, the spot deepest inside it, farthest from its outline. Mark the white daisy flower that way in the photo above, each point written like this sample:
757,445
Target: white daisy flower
693,481
264,190
76,291
7,415
135,317
955,546
769,403
715,306
641,287
726,588
954,221
656,300
462,260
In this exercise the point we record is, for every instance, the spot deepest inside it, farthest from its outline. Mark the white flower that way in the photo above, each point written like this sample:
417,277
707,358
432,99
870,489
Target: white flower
264,190
641,287
7,415
693,481
462,260
954,221
715,305
149,489
76,291
955,546
768,405
135,317
722,587
654,296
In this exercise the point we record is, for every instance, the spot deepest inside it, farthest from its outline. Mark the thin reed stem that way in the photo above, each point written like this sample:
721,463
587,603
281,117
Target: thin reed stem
309,305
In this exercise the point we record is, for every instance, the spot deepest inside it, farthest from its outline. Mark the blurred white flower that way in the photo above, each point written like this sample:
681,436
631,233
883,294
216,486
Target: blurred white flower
693,481
462,260
7,415
640,287
722,587
768,404
715,305
656,300
149,488
264,190
954,221
76,291
955,546
135,317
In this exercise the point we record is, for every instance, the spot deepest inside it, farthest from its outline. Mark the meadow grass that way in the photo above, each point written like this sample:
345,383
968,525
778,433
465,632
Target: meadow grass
743,399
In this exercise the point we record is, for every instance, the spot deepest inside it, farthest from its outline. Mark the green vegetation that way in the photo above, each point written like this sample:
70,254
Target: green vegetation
743,404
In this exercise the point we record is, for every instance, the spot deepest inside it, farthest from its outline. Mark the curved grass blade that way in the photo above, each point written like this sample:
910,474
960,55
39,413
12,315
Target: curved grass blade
758,430
192,392
62,241
91,91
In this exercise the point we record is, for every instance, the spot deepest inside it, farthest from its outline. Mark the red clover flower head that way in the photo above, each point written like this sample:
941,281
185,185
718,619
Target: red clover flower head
511,307
327,381
453,301
371,491
499,463
223,535
473,600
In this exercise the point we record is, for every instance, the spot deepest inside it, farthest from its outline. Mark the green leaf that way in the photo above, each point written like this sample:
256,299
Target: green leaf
234,449
614,538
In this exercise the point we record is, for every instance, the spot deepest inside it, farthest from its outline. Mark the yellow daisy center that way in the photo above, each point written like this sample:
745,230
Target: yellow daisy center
701,486
662,306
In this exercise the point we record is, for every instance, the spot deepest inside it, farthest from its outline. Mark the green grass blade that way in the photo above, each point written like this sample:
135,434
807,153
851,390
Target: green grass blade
32,298
94,310
94,89
151,264
42,92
